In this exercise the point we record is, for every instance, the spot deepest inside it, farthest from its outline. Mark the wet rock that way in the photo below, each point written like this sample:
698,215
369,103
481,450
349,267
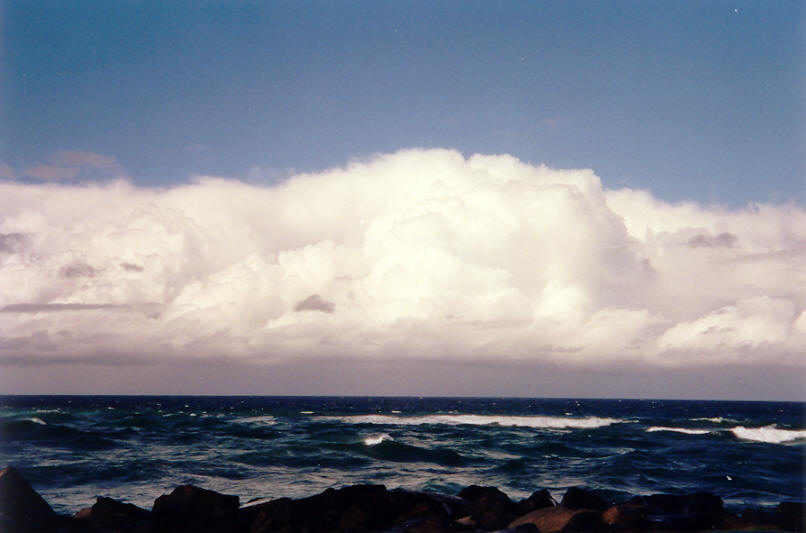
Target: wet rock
21,507
490,508
686,512
577,498
191,508
538,500
359,507
626,517
561,518
791,516
107,513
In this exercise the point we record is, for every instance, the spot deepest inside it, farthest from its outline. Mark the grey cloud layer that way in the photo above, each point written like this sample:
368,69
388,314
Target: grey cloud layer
421,254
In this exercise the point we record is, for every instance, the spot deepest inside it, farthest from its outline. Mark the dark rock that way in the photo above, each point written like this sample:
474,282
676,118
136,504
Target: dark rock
561,518
199,502
538,500
21,507
791,516
627,516
577,498
749,519
686,512
492,509
661,503
112,514
359,507
190,508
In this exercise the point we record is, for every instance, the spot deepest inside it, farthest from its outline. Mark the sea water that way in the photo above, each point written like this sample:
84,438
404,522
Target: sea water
73,449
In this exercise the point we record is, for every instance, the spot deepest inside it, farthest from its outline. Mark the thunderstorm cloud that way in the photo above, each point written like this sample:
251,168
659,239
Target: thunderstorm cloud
420,254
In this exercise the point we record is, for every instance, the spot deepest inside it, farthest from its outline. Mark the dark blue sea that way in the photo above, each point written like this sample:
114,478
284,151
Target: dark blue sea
75,448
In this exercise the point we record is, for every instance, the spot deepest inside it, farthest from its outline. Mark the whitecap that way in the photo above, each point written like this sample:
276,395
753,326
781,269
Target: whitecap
770,434
688,431
268,420
714,419
37,421
306,412
374,440
541,422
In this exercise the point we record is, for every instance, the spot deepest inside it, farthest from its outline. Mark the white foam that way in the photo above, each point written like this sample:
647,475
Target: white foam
688,431
306,412
770,434
714,419
268,420
544,422
374,440
37,421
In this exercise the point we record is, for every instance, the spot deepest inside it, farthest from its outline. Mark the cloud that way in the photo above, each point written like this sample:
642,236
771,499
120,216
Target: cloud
723,239
314,302
420,255
70,164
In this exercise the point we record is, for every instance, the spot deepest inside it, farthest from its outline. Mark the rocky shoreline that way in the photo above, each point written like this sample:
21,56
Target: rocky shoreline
375,508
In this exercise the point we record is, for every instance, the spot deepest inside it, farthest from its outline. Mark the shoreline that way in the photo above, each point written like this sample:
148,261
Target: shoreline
358,508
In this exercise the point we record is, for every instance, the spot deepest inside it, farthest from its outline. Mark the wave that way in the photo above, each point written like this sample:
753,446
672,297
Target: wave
374,440
540,422
714,419
688,431
770,434
267,419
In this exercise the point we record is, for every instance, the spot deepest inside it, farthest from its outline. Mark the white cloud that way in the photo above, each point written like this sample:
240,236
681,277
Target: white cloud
418,254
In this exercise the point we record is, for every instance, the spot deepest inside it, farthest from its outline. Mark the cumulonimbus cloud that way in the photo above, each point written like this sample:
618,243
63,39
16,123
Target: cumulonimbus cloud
416,254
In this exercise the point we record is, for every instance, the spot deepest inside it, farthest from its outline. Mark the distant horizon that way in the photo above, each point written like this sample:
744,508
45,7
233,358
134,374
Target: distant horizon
729,400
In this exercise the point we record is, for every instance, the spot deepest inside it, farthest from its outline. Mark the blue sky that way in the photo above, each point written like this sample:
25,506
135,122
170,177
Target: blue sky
692,100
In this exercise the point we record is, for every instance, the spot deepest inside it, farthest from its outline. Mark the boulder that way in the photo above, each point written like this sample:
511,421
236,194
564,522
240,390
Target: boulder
538,500
577,498
190,508
358,507
107,513
685,512
791,516
21,507
561,518
203,503
626,516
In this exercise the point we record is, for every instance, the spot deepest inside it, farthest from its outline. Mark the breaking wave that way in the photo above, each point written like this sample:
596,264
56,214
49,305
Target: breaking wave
688,431
770,434
541,422
374,440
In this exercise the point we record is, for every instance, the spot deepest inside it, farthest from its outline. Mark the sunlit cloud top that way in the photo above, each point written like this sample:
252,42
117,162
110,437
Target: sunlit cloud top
419,254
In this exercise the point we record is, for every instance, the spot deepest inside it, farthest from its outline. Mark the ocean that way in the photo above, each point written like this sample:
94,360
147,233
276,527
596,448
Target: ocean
73,449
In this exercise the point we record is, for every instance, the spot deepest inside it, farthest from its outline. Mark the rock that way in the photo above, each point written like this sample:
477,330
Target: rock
358,507
749,519
686,512
626,516
576,498
112,514
561,518
200,502
21,507
660,503
492,509
538,500
190,508
791,516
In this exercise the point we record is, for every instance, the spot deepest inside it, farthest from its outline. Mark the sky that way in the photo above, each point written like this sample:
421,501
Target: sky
581,199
